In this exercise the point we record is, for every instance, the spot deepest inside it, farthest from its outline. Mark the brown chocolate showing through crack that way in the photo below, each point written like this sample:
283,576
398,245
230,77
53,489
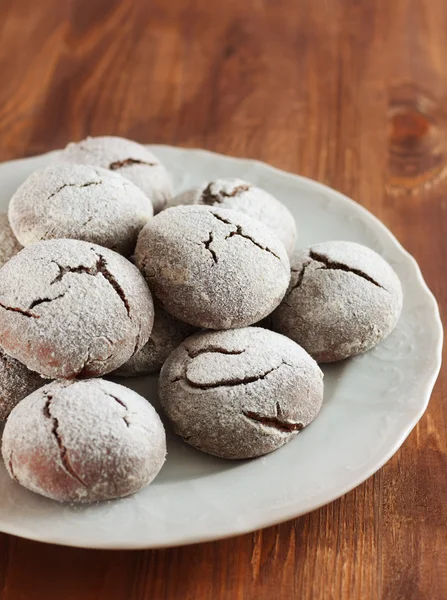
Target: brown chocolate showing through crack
210,199
211,350
329,264
277,423
99,268
44,300
229,382
65,459
238,231
64,270
207,350
247,237
128,162
207,246
300,278
125,419
22,311
75,185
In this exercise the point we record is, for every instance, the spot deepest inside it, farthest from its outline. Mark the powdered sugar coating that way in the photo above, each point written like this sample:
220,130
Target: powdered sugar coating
343,299
16,382
69,308
245,197
167,333
79,202
240,393
211,267
131,160
9,244
84,441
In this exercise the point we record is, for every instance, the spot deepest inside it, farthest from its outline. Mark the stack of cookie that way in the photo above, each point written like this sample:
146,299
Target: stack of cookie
210,290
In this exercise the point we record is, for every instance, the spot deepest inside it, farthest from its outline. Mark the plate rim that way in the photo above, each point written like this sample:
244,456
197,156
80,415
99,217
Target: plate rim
430,374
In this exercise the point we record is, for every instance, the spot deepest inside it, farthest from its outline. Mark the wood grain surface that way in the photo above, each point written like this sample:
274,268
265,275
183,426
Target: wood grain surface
350,92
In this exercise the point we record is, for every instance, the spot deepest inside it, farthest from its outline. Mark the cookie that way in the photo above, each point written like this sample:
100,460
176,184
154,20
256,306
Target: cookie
69,308
167,333
9,244
245,197
83,441
343,299
211,267
82,203
240,393
131,160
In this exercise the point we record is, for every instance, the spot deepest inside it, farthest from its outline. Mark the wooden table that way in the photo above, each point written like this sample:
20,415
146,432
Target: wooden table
352,93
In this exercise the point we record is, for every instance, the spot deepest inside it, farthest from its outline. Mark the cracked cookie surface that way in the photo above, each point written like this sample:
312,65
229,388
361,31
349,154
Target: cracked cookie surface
212,267
79,202
240,393
167,333
342,300
83,441
69,308
247,198
126,157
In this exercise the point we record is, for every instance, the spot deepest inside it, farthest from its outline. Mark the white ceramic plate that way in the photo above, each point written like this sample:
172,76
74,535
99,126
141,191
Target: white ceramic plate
371,402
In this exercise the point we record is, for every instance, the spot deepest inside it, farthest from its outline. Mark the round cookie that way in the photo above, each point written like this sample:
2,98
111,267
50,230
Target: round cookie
131,160
245,197
240,393
16,382
167,333
9,244
82,203
211,267
83,441
343,299
69,308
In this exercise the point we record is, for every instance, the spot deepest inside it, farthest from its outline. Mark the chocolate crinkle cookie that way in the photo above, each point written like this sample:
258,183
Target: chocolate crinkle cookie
130,159
211,267
245,197
69,308
83,441
240,393
9,244
79,202
343,299
16,382
167,333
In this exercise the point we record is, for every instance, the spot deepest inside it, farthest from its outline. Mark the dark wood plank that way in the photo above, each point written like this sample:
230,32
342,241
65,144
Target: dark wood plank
350,93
